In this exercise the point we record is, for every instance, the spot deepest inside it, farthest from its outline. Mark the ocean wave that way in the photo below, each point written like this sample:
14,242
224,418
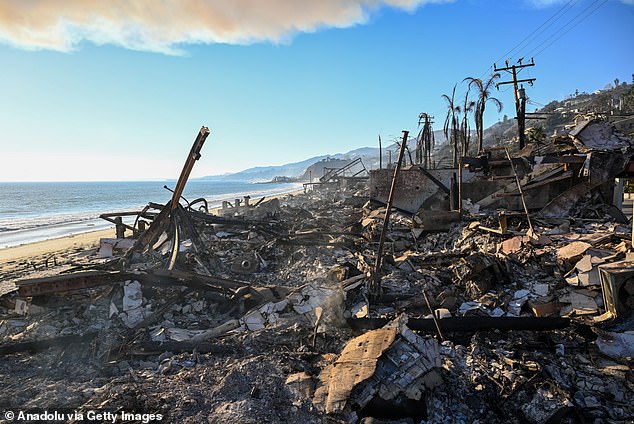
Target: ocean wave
34,223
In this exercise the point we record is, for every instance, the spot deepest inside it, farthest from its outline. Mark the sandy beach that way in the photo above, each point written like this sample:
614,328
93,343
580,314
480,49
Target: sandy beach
11,256
30,250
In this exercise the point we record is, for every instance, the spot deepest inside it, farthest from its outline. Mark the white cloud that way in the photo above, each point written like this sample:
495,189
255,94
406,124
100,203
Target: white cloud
163,26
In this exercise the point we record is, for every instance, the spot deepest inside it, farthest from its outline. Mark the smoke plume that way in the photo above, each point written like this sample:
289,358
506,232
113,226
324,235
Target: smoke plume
167,25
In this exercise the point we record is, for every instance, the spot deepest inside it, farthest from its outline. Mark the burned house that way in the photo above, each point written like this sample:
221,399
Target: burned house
271,311
551,177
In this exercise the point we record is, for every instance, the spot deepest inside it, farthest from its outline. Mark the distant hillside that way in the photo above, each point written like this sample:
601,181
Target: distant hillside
267,173
369,155
615,102
317,169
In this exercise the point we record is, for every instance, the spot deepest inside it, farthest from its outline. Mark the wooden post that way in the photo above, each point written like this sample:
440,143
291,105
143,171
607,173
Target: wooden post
119,228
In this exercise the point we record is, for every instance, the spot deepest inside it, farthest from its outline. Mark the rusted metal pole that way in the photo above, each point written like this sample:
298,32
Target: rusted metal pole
460,166
194,155
433,315
519,188
375,283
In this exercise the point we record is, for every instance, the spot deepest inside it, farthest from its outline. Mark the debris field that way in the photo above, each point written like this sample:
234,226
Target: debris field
281,310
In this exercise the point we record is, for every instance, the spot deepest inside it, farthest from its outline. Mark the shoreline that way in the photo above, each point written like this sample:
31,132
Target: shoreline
13,237
84,240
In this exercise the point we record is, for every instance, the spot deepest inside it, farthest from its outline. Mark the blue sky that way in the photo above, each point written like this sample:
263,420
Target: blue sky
119,92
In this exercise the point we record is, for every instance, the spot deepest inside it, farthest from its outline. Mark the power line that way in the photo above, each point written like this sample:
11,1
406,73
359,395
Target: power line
534,103
597,6
536,32
545,25
555,36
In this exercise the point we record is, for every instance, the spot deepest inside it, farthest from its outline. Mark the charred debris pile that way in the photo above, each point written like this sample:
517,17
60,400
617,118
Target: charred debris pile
502,293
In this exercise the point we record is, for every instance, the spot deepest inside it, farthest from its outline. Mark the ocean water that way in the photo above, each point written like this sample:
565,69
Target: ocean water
34,211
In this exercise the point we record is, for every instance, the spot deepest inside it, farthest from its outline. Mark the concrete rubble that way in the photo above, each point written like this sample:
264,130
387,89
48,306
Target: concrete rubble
265,315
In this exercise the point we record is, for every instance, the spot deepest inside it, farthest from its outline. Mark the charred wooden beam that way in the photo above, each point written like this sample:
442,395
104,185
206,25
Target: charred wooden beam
239,222
118,222
69,282
128,213
465,324
82,280
112,218
147,348
192,279
40,345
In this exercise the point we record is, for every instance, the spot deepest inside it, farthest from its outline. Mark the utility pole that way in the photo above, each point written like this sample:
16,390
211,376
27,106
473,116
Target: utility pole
520,94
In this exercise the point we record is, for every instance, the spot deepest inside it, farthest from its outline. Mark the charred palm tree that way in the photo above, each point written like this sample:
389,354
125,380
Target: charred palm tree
451,125
465,128
425,143
484,95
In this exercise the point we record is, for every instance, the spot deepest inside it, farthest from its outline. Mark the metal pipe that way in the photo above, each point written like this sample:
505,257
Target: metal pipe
519,188
375,283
